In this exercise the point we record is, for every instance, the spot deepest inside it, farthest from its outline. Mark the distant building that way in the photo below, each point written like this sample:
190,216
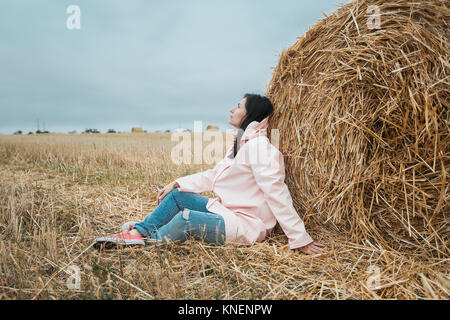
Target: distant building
211,127
180,130
137,130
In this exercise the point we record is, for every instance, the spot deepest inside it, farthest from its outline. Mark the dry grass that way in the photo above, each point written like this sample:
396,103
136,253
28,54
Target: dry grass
59,192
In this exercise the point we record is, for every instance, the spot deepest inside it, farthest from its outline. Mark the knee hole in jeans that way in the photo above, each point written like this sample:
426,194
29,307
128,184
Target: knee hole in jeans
185,214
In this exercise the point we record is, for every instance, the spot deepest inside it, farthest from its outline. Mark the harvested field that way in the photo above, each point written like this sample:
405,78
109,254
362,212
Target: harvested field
59,192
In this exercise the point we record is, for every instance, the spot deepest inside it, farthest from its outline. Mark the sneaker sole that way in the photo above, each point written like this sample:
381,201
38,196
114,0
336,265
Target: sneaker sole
115,243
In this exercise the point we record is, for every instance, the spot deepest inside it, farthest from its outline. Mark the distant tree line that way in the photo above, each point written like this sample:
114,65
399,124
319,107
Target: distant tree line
86,131
91,131
31,132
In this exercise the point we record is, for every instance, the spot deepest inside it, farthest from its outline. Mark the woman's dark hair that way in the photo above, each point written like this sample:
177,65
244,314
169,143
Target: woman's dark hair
257,108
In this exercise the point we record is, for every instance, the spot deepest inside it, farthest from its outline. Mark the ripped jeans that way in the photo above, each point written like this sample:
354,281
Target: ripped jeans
181,215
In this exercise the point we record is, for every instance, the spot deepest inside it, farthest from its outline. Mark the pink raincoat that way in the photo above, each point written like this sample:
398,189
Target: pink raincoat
251,193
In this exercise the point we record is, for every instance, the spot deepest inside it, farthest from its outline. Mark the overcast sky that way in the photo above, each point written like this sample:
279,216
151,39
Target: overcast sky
152,64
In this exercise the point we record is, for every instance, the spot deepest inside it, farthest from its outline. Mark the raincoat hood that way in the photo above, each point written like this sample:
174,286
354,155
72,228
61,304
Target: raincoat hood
254,129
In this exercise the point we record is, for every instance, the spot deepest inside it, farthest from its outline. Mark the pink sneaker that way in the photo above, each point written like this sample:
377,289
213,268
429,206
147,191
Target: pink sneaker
124,238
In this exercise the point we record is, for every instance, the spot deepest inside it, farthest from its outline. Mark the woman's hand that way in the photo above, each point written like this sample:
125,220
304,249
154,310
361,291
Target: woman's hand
312,248
164,191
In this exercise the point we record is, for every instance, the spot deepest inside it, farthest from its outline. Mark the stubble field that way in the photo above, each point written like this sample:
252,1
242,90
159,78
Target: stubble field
59,192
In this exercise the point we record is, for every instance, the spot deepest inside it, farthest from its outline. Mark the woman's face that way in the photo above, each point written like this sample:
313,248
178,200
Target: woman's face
238,114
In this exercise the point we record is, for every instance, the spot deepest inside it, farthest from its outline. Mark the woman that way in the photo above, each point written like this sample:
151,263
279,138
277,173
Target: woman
251,195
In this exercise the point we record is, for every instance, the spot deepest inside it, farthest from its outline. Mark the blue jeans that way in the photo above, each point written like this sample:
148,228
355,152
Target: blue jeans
171,222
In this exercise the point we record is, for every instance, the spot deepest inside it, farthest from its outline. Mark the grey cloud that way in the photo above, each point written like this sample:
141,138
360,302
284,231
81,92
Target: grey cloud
157,64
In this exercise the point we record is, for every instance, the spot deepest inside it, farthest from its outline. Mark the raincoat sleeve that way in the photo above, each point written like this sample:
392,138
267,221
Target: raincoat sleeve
269,172
198,182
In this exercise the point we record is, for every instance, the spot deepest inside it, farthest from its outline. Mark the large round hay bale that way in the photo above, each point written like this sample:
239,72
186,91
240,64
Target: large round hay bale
363,115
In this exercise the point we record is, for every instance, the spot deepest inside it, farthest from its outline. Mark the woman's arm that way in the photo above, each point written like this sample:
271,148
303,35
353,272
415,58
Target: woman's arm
201,181
269,172
197,182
